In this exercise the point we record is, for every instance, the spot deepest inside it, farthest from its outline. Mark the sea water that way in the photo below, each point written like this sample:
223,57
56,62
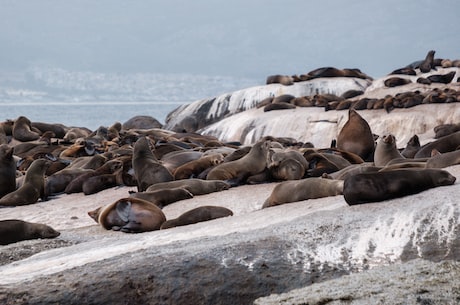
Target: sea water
93,99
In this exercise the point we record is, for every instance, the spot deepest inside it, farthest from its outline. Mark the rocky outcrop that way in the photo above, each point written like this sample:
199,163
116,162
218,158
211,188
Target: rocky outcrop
199,114
238,259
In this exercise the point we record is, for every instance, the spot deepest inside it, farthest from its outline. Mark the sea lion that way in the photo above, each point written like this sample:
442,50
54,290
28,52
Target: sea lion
320,163
443,145
7,170
280,79
352,170
110,167
386,150
194,168
75,133
59,130
351,93
442,78
445,129
142,122
129,215
288,169
427,64
412,147
396,81
33,187
14,230
23,131
239,170
278,106
101,182
57,182
439,160
163,197
374,187
298,190
356,136
175,159
199,214
147,168
404,71
194,186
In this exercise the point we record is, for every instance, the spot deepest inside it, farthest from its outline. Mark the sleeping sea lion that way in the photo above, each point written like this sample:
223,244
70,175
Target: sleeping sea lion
129,215
379,186
14,230
199,214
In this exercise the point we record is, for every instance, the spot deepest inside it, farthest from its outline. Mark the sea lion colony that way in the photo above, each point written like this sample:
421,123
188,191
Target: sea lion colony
166,166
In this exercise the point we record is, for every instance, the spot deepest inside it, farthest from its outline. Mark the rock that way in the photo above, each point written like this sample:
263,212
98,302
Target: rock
314,125
199,114
235,260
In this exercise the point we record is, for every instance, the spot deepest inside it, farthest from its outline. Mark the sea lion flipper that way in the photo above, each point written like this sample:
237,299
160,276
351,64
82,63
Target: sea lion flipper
123,210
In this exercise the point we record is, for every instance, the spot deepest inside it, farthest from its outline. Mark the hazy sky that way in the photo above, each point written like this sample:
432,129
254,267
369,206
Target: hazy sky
241,38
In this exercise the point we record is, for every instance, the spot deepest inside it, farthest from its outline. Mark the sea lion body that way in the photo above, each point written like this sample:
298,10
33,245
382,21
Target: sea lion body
7,170
163,197
199,214
412,147
374,187
386,150
427,64
251,164
33,187
14,230
147,168
129,215
23,131
298,190
195,167
444,160
194,186
356,136
443,145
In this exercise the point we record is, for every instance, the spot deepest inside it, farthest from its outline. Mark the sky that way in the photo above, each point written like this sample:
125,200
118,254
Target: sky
238,38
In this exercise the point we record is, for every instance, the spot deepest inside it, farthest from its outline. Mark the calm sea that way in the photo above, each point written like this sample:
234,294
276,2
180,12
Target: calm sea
92,99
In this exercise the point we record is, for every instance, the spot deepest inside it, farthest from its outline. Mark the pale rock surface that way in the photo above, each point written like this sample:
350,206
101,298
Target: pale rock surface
233,260
313,124
208,111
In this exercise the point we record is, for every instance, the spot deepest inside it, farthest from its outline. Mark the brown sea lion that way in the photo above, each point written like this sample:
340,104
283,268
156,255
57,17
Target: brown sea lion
14,230
439,160
442,78
374,187
386,150
142,122
411,147
76,185
163,197
427,64
280,79
445,129
23,131
75,133
196,215
239,170
443,145
404,71
194,168
33,187
396,81
278,106
101,182
59,130
194,186
352,170
288,169
7,170
175,159
356,136
147,168
57,182
298,190
129,215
